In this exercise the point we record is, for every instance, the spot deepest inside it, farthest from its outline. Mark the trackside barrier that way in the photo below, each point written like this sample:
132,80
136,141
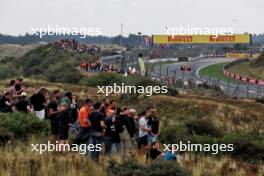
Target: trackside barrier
238,76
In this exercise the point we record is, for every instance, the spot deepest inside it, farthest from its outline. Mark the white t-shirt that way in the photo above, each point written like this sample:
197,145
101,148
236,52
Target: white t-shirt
142,124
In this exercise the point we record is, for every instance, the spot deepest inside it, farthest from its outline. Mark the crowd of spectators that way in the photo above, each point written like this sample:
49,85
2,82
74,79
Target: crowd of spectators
94,65
80,48
118,129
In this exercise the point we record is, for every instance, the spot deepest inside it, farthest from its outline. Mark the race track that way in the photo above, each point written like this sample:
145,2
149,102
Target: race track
240,89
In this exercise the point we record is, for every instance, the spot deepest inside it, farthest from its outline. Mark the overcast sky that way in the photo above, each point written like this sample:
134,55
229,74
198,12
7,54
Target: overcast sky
146,16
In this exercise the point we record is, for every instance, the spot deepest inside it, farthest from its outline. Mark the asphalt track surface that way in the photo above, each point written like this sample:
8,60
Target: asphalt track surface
239,89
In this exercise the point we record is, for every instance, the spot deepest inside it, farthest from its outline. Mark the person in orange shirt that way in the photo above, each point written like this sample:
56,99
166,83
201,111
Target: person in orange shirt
84,134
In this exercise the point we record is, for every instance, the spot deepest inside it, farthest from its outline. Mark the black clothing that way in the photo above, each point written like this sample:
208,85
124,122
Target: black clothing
95,119
54,122
153,122
153,153
83,136
109,126
22,105
3,106
18,88
118,128
129,123
38,100
64,120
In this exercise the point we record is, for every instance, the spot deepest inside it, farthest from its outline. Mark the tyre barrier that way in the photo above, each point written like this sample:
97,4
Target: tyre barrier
239,77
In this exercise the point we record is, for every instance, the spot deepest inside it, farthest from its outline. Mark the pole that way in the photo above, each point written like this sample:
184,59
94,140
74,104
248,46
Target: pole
247,91
228,87
121,43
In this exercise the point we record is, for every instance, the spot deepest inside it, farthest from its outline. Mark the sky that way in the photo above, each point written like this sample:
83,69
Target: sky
145,16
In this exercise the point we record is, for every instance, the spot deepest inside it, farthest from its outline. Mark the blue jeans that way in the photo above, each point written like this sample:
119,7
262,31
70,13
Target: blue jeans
95,140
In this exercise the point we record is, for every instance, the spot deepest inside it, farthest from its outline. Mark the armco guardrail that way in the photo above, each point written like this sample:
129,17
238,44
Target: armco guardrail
238,76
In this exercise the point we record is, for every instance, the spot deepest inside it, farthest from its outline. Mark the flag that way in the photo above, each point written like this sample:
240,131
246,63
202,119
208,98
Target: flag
142,66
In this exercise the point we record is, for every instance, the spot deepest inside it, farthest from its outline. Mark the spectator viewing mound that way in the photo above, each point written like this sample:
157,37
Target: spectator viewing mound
252,69
55,62
131,130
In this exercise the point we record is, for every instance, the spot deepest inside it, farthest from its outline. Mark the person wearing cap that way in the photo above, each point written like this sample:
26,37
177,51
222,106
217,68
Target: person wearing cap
128,134
23,104
18,86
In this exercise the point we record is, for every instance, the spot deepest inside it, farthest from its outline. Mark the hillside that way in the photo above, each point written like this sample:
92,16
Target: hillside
13,50
200,119
46,62
252,69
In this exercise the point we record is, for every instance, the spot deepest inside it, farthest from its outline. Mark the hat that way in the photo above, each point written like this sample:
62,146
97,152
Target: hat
20,79
132,110
24,94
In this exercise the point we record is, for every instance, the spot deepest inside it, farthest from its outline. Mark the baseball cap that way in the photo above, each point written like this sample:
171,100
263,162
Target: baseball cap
24,94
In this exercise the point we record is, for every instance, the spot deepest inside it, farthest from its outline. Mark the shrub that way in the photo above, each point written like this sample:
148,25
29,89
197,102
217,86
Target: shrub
5,135
248,147
133,168
203,127
175,134
22,125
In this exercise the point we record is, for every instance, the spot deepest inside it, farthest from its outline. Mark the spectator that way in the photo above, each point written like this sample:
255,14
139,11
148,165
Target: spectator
53,112
74,109
13,93
23,105
64,124
143,133
153,124
155,152
128,132
84,114
108,136
5,105
39,102
97,129
18,86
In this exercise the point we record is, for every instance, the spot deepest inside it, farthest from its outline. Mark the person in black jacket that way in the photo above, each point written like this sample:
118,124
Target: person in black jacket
64,119
153,123
128,134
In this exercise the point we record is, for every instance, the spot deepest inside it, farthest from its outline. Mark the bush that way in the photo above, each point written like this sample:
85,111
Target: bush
203,127
23,125
247,147
133,168
5,135
174,134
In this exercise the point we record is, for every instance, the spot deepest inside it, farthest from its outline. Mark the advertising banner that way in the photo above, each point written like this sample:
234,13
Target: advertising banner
170,39
238,55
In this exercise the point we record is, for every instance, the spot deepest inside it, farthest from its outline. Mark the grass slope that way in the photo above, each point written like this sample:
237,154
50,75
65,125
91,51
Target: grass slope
215,71
45,62
236,120
252,69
